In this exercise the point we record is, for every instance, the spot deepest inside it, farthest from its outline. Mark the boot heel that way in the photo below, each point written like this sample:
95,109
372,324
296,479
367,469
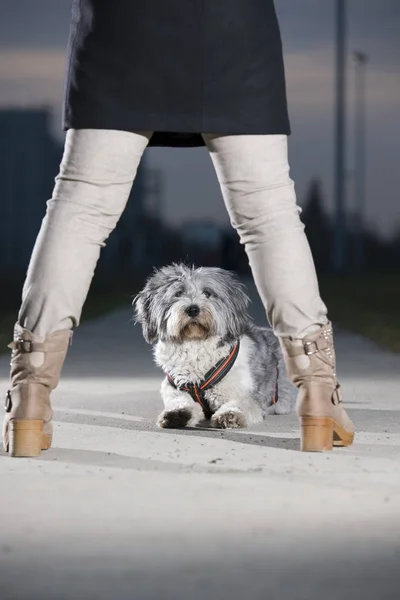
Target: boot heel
316,434
25,438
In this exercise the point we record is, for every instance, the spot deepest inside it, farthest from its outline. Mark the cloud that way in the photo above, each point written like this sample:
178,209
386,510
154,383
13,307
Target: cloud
45,64
310,81
32,78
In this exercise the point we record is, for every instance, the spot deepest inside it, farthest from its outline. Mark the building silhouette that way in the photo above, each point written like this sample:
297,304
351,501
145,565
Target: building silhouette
29,161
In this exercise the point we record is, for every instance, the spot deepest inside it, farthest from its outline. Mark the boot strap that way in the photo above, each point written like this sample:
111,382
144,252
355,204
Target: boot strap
309,348
27,346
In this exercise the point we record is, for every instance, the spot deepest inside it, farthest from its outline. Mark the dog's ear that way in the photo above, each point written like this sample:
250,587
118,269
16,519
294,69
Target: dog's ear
143,315
239,320
236,302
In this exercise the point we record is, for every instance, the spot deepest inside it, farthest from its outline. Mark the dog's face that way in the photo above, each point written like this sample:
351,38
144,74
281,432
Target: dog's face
179,304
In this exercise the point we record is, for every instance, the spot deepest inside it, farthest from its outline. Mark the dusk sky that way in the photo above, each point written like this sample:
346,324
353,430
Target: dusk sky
33,37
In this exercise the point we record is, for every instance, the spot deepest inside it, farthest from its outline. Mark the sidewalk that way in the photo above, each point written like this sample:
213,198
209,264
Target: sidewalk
119,510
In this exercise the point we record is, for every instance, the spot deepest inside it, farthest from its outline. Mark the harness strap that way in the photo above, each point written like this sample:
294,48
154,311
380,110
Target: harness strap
212,377
199,397
222,368
275,394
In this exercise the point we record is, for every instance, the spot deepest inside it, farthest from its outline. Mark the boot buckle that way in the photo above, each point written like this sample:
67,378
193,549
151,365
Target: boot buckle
25,346
311,348
8,403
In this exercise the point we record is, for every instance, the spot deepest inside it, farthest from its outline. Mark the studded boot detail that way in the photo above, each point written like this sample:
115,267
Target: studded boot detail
311,365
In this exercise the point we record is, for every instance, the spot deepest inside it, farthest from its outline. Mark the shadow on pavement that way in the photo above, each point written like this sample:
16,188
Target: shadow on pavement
249,436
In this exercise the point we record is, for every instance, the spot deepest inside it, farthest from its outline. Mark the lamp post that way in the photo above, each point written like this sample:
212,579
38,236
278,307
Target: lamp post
339,189
360,60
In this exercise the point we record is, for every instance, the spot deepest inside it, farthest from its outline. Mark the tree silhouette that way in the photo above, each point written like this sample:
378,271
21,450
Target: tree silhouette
318,227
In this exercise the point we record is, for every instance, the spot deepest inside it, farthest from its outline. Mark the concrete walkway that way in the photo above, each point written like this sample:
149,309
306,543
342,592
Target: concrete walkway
118,510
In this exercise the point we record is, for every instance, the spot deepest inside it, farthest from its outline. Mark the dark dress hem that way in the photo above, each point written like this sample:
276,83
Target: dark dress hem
177,135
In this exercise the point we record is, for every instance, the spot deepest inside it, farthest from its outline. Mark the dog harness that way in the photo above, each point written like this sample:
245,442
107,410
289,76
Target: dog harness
211,378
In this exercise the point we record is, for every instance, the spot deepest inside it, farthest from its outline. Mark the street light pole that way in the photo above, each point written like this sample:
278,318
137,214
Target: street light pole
339,190
359,156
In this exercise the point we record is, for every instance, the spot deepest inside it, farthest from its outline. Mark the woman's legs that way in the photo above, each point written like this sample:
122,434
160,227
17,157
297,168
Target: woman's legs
253,172
90,194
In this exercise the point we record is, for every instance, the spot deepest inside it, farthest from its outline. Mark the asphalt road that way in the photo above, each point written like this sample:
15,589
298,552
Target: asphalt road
119,510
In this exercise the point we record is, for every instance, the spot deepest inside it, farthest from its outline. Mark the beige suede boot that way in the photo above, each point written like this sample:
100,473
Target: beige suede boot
311,365
36,365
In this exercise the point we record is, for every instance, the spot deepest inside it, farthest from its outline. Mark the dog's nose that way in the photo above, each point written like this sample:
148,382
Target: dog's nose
193,310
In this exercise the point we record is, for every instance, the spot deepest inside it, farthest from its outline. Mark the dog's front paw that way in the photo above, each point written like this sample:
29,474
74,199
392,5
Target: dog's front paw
232,419
174,419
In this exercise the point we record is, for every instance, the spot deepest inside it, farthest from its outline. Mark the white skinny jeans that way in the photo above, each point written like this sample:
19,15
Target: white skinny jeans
90,194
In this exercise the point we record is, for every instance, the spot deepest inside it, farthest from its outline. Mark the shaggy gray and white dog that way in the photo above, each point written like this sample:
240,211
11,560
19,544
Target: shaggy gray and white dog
198,320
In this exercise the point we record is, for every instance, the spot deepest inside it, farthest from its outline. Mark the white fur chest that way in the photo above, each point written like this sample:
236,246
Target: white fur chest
190,361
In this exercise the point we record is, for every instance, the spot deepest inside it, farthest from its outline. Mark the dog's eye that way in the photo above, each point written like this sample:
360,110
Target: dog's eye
178,294
207,293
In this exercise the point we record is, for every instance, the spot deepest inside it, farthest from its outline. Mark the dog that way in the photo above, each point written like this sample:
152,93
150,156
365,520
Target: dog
220,367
